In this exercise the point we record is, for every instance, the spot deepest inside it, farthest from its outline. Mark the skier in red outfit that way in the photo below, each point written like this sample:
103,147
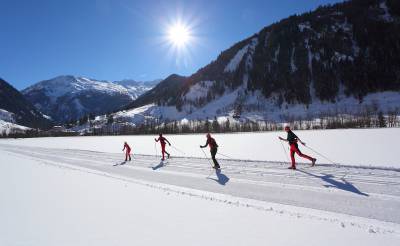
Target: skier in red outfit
292,139
213,149
162,142
127,149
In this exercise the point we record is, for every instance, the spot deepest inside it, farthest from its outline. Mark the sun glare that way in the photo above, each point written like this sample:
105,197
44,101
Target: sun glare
178,35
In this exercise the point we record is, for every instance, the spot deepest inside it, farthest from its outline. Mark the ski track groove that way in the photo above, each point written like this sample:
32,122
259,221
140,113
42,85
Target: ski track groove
370,189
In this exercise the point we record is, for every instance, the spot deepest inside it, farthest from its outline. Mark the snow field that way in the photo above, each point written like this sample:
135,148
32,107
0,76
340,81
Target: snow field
365,147
51,204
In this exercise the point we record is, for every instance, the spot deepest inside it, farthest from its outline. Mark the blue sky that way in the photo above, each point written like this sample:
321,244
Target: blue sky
120,39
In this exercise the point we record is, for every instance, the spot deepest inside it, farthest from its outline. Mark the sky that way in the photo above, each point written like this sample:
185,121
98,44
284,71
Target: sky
126,39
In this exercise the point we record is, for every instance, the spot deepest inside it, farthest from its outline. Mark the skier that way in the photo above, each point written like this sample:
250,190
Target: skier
292,139
213,149
127,148
162,142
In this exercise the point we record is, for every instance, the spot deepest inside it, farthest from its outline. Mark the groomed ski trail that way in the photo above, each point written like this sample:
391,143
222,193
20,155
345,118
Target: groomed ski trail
367,193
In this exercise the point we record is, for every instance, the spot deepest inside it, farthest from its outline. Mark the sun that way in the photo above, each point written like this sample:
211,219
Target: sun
179,35
180,38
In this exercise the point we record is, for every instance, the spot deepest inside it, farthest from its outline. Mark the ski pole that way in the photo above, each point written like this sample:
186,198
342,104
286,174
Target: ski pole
284,150
155,149
323,156
205,155
178,150
227,156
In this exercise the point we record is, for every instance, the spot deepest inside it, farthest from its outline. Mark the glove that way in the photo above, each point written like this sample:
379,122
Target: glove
201,146
169,144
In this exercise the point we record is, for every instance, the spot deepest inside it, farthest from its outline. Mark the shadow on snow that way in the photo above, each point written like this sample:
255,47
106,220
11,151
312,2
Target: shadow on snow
222,179
329,178
119,164
160,165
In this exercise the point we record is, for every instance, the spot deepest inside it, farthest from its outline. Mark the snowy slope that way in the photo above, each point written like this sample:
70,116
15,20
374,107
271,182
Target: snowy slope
256,107
9,127
7,116
183,202
15,108
137,88
69,97
325,62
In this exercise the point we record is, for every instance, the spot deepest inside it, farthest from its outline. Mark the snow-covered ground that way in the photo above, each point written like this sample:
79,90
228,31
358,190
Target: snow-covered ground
74,191
367,147
8,127
71,197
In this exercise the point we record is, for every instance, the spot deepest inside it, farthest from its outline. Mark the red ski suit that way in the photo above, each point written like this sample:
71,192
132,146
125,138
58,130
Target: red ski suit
127,152
162,142
294,148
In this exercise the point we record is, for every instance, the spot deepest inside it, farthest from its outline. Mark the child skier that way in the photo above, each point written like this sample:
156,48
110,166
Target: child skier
127,149
213,149
294,148
162,142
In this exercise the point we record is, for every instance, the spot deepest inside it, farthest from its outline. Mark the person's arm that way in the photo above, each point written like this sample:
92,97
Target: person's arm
303,143
124,148
167,141
157,139
280,138
298,139
203,146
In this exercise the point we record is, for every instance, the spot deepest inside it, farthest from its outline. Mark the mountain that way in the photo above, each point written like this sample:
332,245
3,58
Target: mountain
137,88
339,58
14,108
66,98
164,93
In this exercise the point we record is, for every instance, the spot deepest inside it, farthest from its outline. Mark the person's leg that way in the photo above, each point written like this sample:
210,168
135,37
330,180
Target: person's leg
303,155
166,153
129,155
213,153
126,155
292,151
163,151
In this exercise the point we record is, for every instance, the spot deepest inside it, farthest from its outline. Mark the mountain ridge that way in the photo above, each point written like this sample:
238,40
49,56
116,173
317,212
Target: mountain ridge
16,109
332,54
68,97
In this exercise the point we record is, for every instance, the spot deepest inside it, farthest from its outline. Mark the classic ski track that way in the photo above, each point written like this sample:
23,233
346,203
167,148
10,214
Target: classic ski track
255,171
370,225
201,164
379,184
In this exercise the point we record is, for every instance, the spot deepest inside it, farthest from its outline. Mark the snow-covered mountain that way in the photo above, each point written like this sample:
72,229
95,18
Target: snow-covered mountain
67,98
137,88
341,58
16,110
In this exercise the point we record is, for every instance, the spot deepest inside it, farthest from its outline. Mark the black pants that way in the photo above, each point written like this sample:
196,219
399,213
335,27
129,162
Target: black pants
213,153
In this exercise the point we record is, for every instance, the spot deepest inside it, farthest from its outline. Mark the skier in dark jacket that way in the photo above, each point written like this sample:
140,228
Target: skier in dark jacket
162,142
127,149
213,149
292,139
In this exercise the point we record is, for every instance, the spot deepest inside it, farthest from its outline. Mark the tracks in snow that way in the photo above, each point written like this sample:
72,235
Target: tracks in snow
372,193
